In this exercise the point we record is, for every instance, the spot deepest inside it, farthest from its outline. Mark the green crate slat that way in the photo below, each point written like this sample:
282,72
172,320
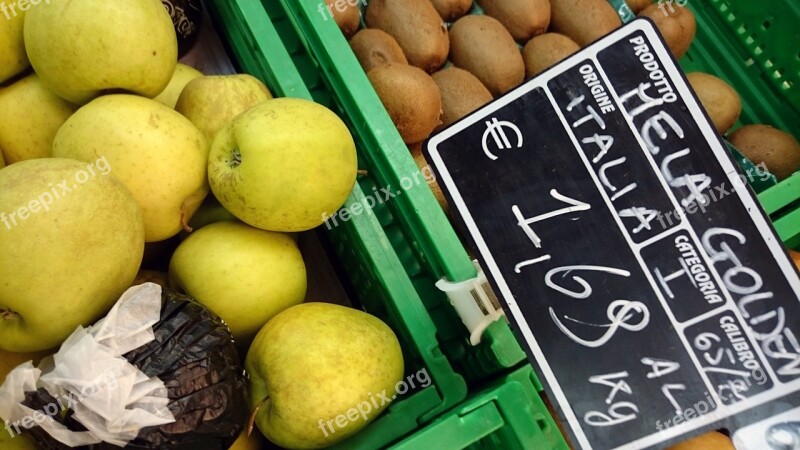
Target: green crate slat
373,267
782,203
509,415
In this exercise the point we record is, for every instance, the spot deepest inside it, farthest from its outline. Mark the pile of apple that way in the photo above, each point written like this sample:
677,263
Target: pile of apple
106,144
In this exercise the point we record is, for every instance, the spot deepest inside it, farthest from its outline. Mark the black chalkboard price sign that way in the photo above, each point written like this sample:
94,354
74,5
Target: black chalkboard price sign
651,290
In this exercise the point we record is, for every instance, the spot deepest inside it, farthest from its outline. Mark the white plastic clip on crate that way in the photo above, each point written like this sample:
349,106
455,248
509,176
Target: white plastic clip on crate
474,302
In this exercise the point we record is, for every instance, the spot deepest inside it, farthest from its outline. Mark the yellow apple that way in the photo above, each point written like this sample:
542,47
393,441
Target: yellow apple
211,102
71,242
15,441
319,362
182,76
157,153
30,116
284,165
243,274
13,59
2,160
82,48
245,442
10,360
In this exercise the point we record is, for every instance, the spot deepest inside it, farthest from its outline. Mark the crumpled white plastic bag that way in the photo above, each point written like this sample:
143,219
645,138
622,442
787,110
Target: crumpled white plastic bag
112,398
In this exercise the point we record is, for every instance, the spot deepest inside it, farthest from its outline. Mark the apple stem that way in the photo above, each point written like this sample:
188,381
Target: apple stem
252,419
7,314
184,222
363,172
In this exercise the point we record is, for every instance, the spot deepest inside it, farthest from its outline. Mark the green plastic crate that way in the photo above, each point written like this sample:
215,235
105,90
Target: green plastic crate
760,45
752,45
755,47
508,414
415,223
377,275
782,203
758,42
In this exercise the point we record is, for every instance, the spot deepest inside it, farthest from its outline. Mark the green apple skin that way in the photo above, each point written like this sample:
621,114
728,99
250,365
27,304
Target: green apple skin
81,48
182,76
245,442
16,442
284,165
211,211
213,101
30,116
157,153
67,264
13,59
10,360
243,274
314,362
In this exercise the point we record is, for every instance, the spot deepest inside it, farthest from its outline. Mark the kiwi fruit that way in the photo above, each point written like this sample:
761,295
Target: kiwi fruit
795,257
779,151
411,97
424,167
483,46
677,25
584,21
638,6
545,50
718,98
462,93
524,19
374,47
416,26
346,15
712,440
450,10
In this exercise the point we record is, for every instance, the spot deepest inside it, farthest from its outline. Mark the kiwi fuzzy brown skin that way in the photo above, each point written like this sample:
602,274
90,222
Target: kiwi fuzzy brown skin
795,257
638,6
462,93
482,46
711,440
779,151
424,167
451,10
416,26
411,98
718,98
524,19
348,18
584,21
545,50
374,47
676,24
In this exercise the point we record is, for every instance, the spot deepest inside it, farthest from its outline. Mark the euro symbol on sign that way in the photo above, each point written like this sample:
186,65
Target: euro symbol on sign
496,131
